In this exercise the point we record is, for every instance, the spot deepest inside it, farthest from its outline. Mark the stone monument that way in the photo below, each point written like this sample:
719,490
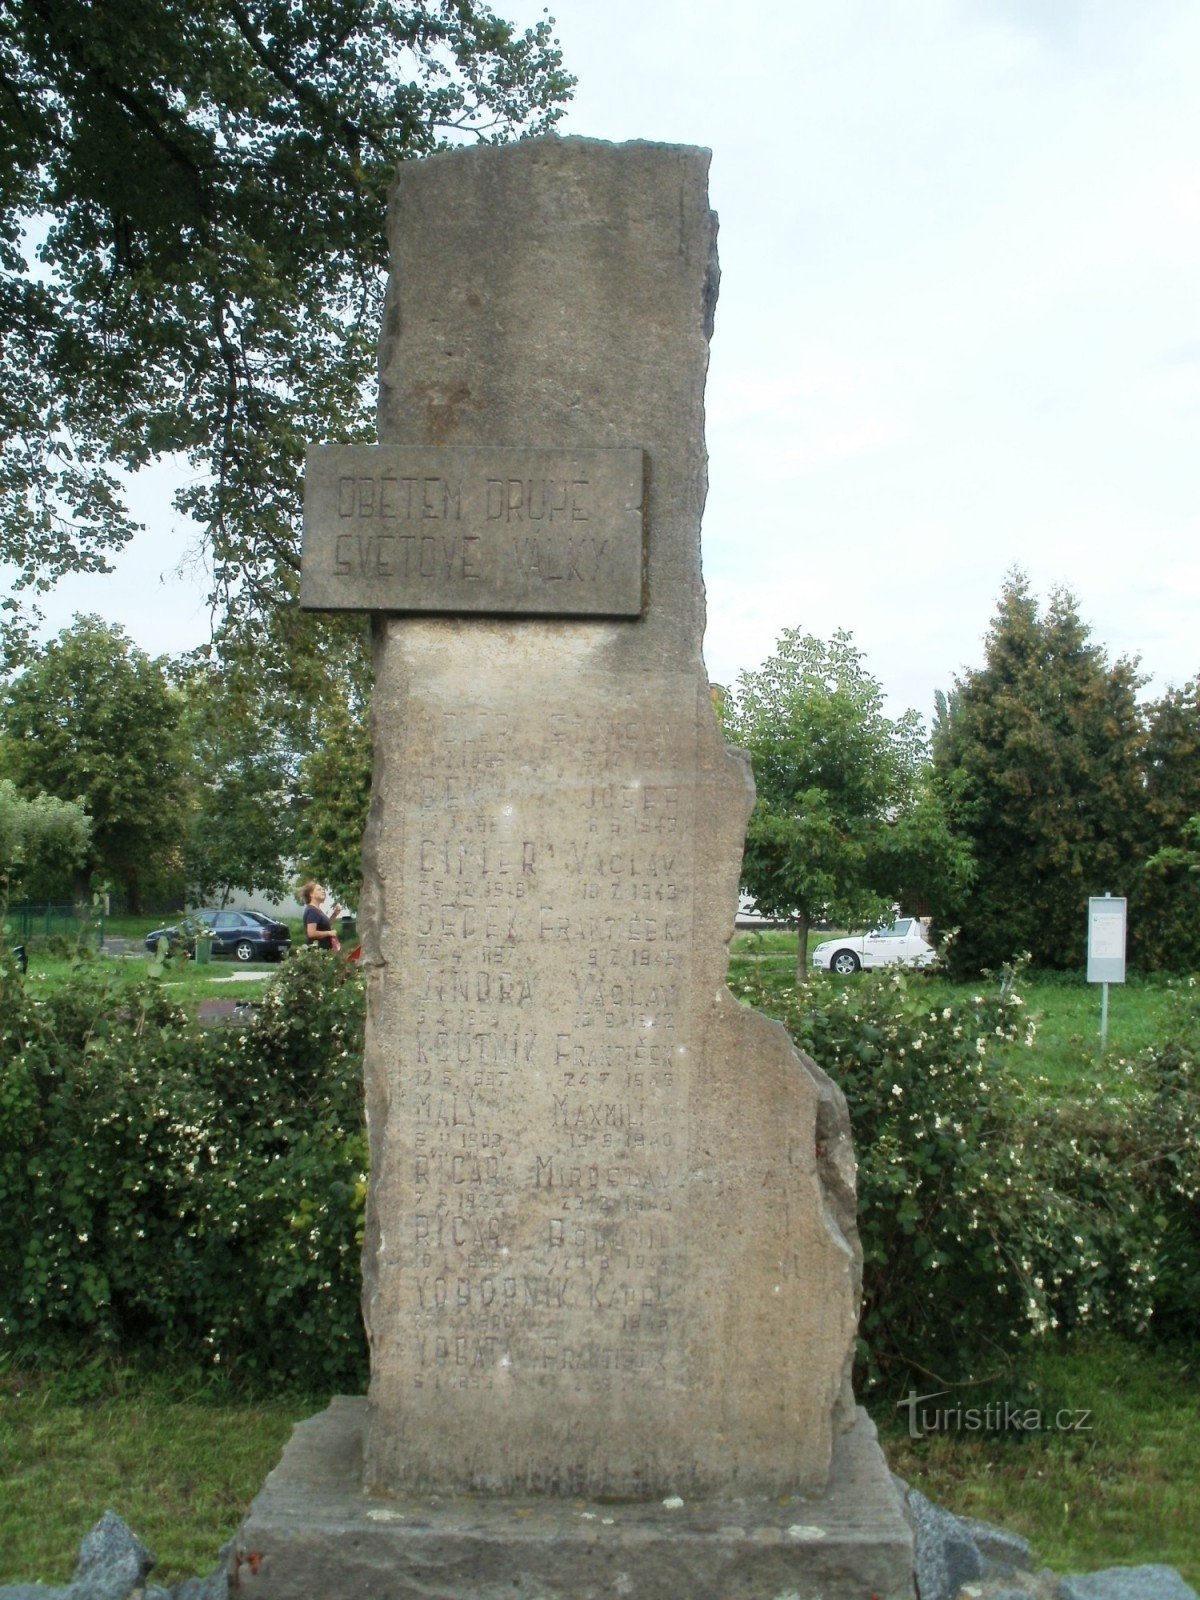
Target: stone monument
611,1272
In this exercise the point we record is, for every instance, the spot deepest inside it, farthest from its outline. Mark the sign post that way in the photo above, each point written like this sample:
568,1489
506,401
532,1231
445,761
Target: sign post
1106,950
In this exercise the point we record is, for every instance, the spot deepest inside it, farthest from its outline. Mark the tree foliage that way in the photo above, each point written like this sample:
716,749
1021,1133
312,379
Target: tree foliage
205,777
324,696
1040,760
240,793
41,837
1173,758
335,795
92,717
280,758
1166,894
834,775
192,249
926,866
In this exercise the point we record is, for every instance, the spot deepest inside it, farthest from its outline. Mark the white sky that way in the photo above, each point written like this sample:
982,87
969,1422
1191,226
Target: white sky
959,323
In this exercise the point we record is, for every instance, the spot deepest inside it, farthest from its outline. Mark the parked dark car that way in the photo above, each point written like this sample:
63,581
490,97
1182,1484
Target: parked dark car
244,935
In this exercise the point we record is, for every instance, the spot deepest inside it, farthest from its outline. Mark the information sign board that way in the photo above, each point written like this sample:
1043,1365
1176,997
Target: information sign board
1106,939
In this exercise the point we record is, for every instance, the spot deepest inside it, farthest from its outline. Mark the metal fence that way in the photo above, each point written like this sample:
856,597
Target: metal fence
26,922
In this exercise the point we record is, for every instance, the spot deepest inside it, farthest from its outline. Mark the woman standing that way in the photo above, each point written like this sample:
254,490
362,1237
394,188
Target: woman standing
318,929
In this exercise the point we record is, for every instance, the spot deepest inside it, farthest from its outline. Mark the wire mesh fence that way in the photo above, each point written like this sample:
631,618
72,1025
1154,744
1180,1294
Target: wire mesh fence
27,922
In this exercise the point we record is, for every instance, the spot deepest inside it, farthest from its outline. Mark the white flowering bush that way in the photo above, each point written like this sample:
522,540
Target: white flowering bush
989,1215
198,1193
1138,1143
189,1191
1171,1177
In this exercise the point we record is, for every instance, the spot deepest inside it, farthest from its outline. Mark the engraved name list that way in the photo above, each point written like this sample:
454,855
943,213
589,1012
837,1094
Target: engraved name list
543,1064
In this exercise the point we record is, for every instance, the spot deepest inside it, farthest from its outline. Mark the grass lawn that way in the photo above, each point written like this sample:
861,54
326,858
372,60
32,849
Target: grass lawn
1066,1055
189,981
186,981
181,1460
1122,1490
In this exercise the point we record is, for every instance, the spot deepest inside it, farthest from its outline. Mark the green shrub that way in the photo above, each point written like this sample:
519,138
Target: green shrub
165,1185
1164,1160
293,1181
200,1191
985,1223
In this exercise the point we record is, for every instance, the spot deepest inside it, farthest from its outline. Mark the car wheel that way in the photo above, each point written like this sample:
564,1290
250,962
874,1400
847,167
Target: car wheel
244,950
845,962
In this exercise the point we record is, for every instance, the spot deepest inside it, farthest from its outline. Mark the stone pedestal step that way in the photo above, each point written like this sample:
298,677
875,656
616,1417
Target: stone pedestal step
312,1534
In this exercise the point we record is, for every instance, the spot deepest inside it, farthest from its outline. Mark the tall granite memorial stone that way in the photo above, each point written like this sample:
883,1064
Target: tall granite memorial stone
611,1270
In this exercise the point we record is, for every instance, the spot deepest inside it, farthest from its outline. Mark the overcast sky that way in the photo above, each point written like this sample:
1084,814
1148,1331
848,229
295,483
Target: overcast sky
959,322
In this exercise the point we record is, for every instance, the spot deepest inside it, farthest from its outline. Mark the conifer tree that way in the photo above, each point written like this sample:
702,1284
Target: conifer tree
1165,910
1040,759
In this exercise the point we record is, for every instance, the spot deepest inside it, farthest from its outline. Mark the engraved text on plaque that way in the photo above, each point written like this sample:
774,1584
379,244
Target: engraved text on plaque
500,532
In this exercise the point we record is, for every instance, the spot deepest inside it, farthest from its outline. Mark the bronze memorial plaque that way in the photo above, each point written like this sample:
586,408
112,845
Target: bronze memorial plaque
494,531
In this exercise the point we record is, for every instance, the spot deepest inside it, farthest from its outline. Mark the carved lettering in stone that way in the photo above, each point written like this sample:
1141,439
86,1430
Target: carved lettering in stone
580,1232
508,532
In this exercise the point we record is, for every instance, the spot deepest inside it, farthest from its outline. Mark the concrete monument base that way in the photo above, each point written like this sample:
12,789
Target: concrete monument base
312,1534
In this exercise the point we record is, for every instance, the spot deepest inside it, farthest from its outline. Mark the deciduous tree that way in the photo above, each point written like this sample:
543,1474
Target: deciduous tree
92,717
335,787
833,773
280,757
240,800
192,249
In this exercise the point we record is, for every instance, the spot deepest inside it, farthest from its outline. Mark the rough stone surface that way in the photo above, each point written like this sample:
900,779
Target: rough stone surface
610,1242
1003,1593
947,1556
1018,1585
1126,1583
213,1587
964,1555
114,1564
312,1534
1002,1552
112,1561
